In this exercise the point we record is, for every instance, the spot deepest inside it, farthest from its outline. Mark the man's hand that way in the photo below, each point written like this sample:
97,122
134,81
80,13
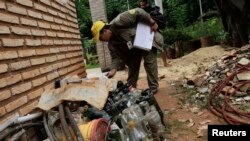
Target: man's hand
154,26
111,73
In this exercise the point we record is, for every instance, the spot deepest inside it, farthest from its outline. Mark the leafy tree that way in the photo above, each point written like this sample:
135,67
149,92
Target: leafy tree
84,17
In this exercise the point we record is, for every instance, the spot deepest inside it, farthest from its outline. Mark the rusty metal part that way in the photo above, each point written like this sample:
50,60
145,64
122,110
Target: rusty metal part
225,110
64,124
73,124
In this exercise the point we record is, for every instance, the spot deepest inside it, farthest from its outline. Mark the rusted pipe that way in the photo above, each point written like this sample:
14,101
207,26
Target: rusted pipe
64,124
73,124
11,130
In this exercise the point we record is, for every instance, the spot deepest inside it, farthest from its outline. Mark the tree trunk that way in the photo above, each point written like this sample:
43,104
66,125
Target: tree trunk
178,49
235,20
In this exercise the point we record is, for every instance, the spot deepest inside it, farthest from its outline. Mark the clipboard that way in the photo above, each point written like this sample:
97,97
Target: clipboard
144,37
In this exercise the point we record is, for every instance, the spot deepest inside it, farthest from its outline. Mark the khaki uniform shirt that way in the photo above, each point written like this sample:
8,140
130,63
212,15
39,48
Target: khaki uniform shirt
123,28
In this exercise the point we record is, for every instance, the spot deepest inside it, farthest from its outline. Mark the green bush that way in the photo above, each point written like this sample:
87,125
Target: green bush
211,27
172,35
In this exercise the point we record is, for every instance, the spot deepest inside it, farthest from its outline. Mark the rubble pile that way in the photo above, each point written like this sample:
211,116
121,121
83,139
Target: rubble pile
226,86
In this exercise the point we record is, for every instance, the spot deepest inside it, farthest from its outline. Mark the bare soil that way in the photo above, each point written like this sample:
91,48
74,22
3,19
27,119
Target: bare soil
184,120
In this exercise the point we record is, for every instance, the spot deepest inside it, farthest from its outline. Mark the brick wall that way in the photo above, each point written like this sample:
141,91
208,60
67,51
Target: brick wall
98,12
39,42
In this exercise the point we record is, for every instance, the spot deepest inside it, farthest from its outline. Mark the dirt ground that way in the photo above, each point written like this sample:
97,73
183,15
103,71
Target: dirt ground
184,120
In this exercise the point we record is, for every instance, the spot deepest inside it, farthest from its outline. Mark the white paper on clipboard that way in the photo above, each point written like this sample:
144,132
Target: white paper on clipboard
144,37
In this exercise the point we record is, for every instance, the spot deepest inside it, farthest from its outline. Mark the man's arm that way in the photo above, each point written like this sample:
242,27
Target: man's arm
115,59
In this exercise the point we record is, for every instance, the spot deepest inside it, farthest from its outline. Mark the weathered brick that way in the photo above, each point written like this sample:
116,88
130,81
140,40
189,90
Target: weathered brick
70,29
67,35
55,27
76,54
16,9
5,94
39,81
33,42
47,42
65,10
28,108
54,50
58,42
53,12
16,103
8,55
71,68
51,33
4,29
55,5
3,82
42,51
51,58
69,55
63,49
21,88
12,79
26,53
40,7
58,20
61,15
52,76
37,32
47,2
73,61
66,42
66,63
25,2
7,42
3,68
9,18
65,22
43,24
20,30
20,65
57,66
63,3
37,61
60,34
48,18
30,74
34,14
2,5
64,28
2,111
61,56
30,22
63,71
49,86
45,69
35,94
71,4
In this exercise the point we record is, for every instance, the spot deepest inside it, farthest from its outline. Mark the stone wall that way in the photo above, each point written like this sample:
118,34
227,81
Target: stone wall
39,43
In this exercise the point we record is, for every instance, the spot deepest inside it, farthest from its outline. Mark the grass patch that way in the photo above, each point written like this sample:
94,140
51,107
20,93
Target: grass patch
91,66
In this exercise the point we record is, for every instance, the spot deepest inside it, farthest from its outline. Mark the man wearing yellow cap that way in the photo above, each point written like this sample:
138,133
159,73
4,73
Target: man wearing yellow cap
120,34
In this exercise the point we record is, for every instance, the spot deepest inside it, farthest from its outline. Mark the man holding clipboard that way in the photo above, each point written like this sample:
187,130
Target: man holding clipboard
126,43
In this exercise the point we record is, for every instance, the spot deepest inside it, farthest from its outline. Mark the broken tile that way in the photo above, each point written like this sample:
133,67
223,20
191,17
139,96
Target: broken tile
244,61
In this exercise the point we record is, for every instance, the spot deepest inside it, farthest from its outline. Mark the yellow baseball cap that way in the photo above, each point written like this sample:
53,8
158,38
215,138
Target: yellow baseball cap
96,28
